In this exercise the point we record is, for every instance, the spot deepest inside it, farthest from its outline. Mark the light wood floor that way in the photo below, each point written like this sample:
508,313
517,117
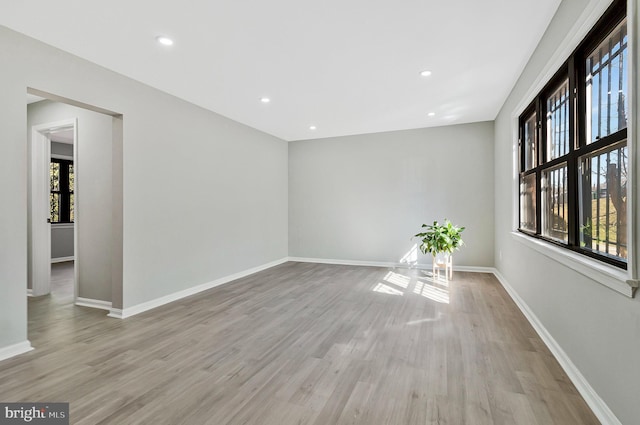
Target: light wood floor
301,344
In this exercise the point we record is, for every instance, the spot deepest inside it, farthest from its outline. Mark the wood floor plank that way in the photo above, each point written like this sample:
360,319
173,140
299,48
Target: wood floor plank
304,344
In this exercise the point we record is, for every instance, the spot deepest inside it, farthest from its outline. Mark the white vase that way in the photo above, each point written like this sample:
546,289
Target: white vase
441,258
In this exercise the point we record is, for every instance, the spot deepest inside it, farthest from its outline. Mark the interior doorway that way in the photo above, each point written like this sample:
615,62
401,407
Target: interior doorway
54,194
89,171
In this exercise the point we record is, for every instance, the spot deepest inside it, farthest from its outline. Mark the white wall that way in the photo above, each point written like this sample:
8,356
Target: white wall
62,244
203,196
57,148
94,206
13,225
598,328
363,197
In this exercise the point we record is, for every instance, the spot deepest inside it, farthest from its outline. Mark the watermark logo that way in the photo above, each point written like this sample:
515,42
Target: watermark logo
34,413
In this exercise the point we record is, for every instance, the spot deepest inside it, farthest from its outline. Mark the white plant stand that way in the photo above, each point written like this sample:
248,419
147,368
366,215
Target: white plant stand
443,261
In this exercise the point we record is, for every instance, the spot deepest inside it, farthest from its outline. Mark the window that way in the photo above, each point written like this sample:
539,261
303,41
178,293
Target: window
573,148
61,196
558,122
603,196
606,85
530,142
554,203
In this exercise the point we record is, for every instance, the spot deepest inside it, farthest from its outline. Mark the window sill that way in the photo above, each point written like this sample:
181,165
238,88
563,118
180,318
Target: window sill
605,274
62,225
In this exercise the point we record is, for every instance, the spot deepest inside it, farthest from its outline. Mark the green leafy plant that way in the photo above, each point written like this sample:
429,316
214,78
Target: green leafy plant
440,238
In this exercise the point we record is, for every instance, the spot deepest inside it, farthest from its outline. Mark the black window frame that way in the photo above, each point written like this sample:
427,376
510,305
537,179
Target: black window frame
573,70
64,192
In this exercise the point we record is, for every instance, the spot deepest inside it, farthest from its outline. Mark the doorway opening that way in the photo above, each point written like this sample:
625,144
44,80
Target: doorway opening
74,206
54,192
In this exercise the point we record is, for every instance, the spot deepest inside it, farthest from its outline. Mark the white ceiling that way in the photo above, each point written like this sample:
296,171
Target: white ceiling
345,66
65,136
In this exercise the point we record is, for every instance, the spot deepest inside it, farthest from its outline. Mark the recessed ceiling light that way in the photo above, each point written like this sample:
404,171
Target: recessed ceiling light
165,41
425,73
265,100
431,114
312,127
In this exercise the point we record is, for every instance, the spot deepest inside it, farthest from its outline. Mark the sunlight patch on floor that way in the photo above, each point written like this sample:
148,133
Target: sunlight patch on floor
386,289
432,292
398,279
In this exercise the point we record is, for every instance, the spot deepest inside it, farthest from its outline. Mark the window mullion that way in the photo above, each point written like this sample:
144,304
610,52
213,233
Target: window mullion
540,141
572,158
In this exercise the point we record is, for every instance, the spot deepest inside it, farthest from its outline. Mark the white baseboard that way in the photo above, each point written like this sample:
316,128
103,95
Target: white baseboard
88,302
597,405
15,349
472,269
139,308
29,292
387,264
62,259
342,262
116,313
